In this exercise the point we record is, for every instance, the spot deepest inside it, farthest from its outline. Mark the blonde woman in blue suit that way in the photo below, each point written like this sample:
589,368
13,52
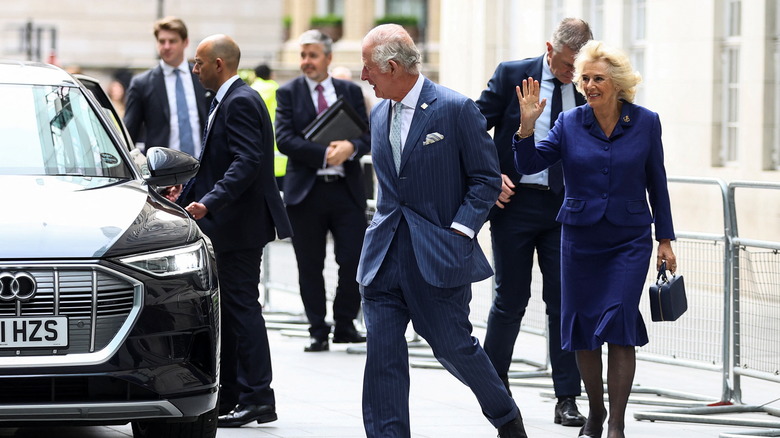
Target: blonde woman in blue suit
612,159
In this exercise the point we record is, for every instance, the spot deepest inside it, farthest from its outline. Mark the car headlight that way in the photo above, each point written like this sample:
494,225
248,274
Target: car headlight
186,260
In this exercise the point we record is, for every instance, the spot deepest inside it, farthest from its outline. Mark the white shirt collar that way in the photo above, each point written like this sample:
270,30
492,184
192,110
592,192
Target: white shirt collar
224,88
411,98
167,69
326,83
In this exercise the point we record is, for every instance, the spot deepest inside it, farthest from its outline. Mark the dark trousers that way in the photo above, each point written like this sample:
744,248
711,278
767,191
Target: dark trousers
328,208
397,295
525,226
245,370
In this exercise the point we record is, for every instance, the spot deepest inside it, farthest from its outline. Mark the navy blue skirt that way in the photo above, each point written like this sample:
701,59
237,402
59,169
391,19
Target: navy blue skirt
603,273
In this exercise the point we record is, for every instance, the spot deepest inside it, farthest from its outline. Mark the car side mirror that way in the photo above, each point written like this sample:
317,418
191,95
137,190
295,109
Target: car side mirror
168,167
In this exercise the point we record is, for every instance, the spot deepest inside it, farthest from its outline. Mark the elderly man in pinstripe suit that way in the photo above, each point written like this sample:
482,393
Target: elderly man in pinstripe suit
438,177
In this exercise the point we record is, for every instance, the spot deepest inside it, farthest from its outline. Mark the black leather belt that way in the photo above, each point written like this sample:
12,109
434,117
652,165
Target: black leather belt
534,186
329,178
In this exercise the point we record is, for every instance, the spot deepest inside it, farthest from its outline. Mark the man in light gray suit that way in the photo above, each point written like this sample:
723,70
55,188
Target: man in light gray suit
438,177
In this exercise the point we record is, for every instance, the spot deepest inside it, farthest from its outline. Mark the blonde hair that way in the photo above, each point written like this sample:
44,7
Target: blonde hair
618,67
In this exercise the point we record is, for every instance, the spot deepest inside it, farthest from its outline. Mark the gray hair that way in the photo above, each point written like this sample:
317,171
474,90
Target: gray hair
314,36
392,42
572,33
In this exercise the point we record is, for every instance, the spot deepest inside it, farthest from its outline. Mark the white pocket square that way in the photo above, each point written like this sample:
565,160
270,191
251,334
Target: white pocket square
432,138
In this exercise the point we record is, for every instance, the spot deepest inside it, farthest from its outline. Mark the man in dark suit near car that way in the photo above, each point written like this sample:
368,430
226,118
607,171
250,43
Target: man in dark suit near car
323,191
236,202
438,177
527,223
166,106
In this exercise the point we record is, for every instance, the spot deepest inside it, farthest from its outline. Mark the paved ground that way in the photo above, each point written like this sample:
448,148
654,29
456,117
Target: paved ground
318,395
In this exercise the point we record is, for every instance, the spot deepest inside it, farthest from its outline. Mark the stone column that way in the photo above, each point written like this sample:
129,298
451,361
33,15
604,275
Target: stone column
301,12
358,20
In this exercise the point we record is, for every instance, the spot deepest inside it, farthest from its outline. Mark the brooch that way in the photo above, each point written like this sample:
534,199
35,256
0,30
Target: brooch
626,119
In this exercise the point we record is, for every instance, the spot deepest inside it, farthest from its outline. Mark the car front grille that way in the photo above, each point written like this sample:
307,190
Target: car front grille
96,301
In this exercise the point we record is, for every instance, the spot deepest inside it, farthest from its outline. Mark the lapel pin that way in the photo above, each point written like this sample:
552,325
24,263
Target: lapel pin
626,118
423,106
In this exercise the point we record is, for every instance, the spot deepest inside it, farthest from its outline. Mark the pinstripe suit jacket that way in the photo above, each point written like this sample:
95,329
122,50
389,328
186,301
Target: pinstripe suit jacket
453,179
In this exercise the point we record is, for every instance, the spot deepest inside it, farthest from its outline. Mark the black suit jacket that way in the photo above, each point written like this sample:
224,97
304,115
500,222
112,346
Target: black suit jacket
236,178
294,111
147,113
498,103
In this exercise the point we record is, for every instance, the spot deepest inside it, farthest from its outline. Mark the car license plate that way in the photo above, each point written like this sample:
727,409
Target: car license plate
34,332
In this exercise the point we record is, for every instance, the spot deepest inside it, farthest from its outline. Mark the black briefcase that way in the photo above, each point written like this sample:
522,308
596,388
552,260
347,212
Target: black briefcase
667,296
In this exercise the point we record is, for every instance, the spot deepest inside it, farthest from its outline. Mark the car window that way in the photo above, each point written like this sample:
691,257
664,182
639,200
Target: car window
100,95
52,130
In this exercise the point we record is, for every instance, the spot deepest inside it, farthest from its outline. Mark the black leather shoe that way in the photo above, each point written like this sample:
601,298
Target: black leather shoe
513,429
347,336
567,414
316,345
244,414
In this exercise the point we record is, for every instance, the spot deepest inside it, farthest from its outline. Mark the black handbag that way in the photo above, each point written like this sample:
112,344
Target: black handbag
667,296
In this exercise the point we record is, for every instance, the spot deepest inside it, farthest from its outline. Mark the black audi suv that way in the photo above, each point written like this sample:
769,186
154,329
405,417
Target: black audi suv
109,300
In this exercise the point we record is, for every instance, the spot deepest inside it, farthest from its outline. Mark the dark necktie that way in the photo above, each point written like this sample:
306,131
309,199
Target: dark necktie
557,102
322,104
186,143
214,103
555,173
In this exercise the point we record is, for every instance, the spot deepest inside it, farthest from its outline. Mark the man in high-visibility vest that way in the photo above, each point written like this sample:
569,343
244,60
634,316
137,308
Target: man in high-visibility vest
267,87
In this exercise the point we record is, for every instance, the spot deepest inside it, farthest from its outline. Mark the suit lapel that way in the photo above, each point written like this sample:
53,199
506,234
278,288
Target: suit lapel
422,113
161,95
380,129
304,100
221,104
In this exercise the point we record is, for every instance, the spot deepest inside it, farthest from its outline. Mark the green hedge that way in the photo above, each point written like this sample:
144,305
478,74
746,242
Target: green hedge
326,20
403,20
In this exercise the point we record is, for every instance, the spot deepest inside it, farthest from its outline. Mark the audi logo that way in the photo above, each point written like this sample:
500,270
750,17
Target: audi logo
17,286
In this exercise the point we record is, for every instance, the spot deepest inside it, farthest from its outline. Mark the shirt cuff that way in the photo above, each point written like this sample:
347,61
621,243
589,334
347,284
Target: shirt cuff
463,229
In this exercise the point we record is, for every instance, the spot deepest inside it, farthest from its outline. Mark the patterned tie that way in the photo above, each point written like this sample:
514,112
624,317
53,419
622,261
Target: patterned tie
214,103
555,173
186,144
395,135
322,104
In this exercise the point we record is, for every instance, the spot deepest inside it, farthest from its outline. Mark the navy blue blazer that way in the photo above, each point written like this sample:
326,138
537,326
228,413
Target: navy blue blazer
294,111
498,103
610,178
147,113
443,179
236,178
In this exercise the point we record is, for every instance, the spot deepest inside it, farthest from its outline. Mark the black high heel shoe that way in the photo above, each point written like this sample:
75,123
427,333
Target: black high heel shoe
582,434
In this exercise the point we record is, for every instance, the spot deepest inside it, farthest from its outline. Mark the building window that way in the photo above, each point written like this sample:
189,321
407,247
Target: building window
556,11
730,53
636,43
330,7
594,10
405,7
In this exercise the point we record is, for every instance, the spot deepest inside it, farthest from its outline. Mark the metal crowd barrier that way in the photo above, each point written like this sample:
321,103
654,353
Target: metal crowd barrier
746,323
731,327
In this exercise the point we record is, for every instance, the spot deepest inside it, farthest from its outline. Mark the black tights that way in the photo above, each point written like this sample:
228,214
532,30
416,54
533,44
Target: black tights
620,378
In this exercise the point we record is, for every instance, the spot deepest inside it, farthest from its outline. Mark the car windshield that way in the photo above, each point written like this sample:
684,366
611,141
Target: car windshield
52,130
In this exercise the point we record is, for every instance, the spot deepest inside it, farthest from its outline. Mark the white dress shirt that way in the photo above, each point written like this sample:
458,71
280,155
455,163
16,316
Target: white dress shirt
192,106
